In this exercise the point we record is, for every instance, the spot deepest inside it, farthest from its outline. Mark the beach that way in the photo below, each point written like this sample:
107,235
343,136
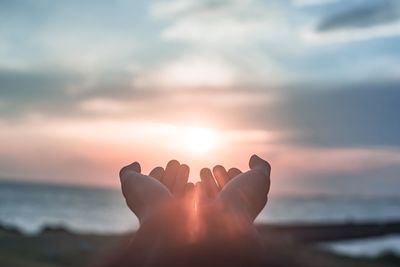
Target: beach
53,225
32,206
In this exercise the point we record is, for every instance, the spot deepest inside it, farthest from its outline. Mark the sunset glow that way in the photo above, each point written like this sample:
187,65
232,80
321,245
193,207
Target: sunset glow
200,140
205,83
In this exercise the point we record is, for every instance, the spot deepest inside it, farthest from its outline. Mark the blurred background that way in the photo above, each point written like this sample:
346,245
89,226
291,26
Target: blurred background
87,87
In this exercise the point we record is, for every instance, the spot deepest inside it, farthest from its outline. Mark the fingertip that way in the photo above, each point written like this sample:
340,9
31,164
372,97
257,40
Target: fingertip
158,169
253,159
205,172
171,171
233,172
221,175
173,163
185,168
157,173
218,167
257,162
135,167
181,178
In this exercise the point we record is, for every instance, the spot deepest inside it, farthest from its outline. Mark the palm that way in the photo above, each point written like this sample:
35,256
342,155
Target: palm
247,191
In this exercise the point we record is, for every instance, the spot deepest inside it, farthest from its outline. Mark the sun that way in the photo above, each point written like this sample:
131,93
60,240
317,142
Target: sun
200,140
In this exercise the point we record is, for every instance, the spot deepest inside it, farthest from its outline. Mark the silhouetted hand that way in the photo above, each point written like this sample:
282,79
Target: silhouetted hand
145,194
248,191
213,182
142,193
174,177
220,224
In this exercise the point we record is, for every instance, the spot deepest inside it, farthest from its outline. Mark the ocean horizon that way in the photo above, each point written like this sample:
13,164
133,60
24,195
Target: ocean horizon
32,206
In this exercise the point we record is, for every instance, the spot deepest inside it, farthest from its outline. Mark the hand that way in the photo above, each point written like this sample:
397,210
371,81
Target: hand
167,226
142,193
174,177
213,182
145,194
245,191
248,191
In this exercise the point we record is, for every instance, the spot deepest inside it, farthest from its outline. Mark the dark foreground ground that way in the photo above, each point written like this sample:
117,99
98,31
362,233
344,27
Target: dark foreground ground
291,245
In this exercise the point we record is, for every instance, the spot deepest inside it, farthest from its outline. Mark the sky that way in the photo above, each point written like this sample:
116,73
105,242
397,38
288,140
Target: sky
312,86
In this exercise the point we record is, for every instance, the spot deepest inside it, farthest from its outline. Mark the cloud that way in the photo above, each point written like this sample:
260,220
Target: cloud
78,79
329,116
82,151
183,8
61,93
248,38
88,36
378,181
369,14
358,115
307,3
219,23
28,91
357,22
351,35
358,171
189,72
236,83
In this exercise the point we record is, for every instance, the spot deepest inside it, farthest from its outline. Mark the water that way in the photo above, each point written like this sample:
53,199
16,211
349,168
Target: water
328,209
32,206
366,247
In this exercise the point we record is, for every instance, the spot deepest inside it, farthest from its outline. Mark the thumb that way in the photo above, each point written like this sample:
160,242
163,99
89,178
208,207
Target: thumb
257,163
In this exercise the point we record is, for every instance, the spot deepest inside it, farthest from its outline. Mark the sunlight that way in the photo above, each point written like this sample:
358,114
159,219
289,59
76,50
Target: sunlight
200,140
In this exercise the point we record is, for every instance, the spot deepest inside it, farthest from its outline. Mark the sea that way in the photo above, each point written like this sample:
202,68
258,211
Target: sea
31,206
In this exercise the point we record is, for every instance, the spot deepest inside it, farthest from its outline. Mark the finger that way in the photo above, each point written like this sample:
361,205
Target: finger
233,172
189,187
170,174
209,183
221,176
258,163
131,168
200,193
189,190
248,192
142,194
157,173
181,180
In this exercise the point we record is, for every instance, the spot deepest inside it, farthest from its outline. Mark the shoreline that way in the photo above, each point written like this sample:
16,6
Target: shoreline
301,232
290,244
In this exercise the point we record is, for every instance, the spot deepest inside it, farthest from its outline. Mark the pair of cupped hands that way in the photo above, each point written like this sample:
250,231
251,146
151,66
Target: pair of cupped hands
242,192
